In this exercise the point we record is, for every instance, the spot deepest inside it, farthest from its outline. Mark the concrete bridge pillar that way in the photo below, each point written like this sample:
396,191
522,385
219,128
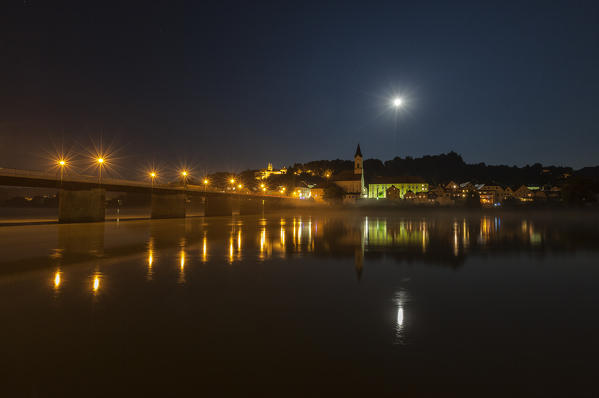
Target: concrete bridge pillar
214,206
81,205
250,206
168,205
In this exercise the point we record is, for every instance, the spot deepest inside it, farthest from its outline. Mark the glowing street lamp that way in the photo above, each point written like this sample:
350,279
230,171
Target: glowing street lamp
153,177
100,161
184,173
62,164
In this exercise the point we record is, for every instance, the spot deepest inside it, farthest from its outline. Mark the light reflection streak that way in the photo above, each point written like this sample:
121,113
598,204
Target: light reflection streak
96,283
456,242
401,299
181,279
204,249
57,280
262,243
150,272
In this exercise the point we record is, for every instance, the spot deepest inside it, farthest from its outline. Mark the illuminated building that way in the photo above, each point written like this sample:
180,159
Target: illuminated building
379,186
265,173
317,194
352,183
524,194
490,194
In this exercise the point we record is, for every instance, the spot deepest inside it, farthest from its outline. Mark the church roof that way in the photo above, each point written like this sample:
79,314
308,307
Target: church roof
358,152
346,175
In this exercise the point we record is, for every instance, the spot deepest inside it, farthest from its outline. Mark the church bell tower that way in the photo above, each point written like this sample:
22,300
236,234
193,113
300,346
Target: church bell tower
358,167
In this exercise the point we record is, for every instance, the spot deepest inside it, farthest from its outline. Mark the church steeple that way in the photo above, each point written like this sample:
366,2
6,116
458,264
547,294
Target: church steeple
358,152
358,168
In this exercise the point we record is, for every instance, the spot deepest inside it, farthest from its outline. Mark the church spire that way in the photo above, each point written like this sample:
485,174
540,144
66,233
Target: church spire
358,161
358,152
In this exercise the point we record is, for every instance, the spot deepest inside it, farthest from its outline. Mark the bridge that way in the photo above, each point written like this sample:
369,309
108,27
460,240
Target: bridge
82,198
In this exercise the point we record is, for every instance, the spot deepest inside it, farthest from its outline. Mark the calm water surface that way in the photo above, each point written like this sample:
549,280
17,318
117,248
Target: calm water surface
303,305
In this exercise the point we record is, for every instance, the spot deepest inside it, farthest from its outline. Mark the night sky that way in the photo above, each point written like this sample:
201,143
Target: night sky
232,85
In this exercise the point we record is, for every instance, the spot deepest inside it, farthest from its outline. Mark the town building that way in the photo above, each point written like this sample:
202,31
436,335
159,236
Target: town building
268,171
490,195
377,188
352,182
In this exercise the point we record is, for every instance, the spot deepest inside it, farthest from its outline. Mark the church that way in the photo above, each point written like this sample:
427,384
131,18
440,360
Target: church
352,182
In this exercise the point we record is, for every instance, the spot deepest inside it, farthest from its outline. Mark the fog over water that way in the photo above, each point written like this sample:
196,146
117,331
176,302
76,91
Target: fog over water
304,303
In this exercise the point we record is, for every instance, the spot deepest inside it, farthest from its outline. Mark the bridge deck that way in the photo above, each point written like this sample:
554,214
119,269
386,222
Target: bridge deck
39,179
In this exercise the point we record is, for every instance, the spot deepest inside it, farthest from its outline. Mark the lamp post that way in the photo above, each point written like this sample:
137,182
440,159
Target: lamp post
61,163
232,181
205,184
397,104
100,161
153,177
184,173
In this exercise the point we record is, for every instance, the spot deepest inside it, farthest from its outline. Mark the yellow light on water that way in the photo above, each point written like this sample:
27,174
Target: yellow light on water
57,279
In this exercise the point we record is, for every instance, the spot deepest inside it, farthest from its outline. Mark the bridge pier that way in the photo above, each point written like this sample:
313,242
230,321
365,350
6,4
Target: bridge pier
81,205
214,206
168,205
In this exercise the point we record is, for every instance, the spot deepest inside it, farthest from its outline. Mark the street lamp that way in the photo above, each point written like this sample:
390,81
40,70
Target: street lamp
205,184
397,103
61,163
184,173
100,161
153,177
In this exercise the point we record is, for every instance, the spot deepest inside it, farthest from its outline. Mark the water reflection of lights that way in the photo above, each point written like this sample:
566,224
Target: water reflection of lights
231,250
400,317
150,272
239,240
456,238
57,279
262,243
401,299
204,249
282,236
97,277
